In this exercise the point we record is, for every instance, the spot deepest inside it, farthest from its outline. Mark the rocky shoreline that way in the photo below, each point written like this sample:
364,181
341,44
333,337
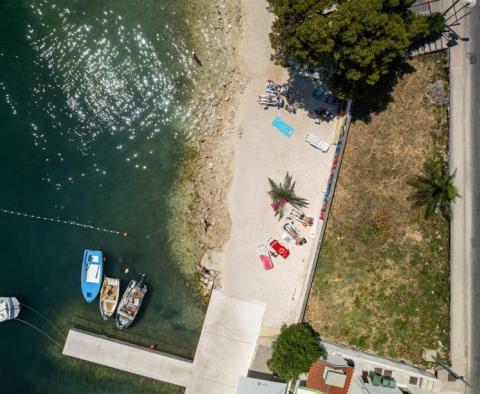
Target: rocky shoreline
209,164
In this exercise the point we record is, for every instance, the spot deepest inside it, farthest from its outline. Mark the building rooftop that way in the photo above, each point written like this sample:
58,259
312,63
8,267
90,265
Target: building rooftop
330,378
360,387
257,386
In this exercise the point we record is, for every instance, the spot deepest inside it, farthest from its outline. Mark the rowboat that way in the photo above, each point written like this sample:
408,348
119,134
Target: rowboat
131,302
92,272
109,296
9,308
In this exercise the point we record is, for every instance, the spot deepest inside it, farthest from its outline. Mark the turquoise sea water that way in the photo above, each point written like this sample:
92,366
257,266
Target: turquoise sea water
94,98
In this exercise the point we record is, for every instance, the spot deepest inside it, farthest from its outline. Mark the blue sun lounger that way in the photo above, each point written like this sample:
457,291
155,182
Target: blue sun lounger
283,127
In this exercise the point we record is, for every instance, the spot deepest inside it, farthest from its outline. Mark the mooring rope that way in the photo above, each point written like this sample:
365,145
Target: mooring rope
40,331
56,220
44,318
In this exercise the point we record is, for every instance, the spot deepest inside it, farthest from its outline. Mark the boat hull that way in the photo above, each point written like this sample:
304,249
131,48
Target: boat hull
9,308
92,273
130,303
109,296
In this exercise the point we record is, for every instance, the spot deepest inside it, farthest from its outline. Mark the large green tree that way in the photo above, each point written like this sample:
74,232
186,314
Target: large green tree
359,42
295,350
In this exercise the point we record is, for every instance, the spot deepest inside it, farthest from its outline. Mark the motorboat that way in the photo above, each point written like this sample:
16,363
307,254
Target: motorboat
9,308
109,296
92,273
131,302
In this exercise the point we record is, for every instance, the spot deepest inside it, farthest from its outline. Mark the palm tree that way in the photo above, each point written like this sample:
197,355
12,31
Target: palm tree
434,189
281,193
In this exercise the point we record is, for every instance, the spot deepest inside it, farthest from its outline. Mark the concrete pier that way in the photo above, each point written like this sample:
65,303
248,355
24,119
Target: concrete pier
227,344
127,357
224,353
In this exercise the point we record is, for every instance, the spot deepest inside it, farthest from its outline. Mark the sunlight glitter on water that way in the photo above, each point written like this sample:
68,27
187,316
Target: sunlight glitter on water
112,83
117,85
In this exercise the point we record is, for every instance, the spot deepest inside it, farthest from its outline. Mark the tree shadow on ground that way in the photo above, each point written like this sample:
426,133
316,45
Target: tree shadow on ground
376,100
300,94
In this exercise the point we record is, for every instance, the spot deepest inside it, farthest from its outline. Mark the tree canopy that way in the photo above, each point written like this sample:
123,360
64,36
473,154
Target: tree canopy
359,41
295,350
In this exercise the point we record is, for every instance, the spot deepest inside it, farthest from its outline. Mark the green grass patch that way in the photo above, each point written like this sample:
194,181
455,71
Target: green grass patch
382,278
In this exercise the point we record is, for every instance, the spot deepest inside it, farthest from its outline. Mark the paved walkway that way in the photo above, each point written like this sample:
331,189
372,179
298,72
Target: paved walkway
458,274
127,357
472,143
227,345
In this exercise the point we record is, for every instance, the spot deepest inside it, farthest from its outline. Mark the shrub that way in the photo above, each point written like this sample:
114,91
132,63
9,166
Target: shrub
436,24
295,350
434,189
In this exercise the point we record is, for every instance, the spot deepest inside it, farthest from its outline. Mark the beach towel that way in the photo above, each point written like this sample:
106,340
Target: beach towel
283,127
265,257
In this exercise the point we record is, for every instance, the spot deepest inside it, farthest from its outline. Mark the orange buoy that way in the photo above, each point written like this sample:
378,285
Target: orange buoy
125,234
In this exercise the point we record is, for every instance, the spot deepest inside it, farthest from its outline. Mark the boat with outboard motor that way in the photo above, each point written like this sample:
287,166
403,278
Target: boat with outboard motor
92,273
131,302
9,308
109,296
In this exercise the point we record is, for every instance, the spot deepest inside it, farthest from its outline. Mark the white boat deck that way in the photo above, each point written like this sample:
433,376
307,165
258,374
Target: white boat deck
93,273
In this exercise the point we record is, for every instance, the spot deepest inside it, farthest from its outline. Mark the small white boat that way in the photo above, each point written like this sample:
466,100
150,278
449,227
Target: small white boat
131,302
109,296
9,308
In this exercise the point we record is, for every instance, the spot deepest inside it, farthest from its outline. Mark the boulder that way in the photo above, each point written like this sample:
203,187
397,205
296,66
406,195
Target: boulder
437,94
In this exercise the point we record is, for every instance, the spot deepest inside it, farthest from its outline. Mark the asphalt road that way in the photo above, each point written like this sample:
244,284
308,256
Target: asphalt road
473,128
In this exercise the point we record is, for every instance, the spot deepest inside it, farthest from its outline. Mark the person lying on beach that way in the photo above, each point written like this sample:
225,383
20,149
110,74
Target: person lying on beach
292,232
301,217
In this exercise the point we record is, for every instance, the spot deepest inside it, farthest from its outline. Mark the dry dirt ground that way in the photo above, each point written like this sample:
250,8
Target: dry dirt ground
382,280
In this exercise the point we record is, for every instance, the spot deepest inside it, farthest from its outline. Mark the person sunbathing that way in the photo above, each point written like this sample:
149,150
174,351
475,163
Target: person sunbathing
292,232
301,217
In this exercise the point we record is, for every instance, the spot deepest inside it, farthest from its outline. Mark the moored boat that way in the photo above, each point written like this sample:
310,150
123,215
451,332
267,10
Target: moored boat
131,302
92,272
9,308
109,296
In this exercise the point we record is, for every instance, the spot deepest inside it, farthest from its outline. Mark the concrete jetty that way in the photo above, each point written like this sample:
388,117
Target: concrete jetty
227,344
224,353
128,357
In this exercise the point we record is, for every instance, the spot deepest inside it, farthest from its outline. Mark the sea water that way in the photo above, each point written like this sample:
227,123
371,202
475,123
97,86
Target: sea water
94,107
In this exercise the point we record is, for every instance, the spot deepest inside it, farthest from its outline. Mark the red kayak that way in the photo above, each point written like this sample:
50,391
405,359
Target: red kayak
279,248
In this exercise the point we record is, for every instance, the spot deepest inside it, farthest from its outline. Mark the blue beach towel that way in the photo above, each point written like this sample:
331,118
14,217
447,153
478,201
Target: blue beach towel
283,127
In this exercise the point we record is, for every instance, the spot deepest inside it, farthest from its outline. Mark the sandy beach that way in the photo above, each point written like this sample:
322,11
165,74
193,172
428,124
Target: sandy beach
232,177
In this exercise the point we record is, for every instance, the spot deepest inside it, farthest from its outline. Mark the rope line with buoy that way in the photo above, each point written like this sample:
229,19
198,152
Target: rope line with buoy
40,331
57,220
44,318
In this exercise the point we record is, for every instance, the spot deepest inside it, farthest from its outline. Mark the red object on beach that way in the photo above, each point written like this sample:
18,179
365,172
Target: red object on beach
266,261
280,249
265,257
